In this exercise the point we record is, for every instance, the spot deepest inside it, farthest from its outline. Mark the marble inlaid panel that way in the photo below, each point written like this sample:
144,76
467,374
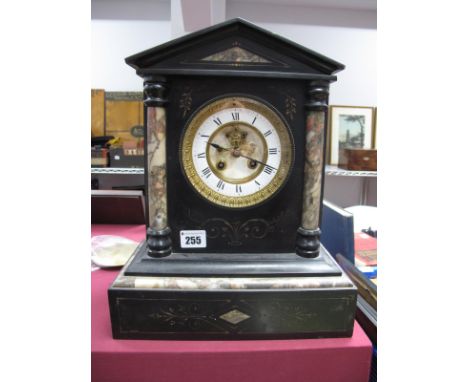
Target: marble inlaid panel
157,187
236,54
315,125
232,283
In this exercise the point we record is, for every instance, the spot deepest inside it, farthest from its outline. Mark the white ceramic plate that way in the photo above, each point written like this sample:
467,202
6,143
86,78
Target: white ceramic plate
111,251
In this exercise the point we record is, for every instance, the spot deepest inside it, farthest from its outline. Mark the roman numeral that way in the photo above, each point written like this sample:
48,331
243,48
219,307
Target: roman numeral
273,151
258,184
217,121
254,120
268,169
238,188
201,155
235,116
220,185
206,172
204,136
266,134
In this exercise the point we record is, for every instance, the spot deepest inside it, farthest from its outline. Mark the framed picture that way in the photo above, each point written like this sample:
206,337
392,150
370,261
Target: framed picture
374,145
349,127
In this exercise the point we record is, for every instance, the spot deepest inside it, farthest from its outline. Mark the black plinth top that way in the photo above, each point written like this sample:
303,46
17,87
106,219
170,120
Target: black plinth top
231,265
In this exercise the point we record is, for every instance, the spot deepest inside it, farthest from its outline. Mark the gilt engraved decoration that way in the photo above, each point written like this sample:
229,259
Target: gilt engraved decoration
290,105
185,315
185,103
235,232
294,311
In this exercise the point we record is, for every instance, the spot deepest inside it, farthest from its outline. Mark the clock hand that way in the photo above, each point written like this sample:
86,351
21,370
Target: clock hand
216,146
256,160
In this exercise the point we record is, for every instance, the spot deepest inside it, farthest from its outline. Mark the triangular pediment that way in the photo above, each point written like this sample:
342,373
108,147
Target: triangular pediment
235,47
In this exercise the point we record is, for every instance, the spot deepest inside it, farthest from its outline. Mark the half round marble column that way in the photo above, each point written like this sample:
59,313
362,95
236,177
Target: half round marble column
308,235
158,231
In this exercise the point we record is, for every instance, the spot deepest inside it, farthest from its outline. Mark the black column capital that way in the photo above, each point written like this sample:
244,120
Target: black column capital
317,95
154,91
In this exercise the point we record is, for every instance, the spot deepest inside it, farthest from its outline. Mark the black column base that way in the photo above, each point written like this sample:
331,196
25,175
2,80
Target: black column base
308,242
159,242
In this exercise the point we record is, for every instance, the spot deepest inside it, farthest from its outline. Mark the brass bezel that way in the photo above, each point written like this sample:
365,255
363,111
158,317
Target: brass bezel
287,151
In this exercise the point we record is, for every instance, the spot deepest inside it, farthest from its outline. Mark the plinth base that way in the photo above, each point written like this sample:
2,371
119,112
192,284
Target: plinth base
308,305
231,264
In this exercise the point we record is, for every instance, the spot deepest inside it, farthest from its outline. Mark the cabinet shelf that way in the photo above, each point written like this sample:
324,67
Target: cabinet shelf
336,171
116,170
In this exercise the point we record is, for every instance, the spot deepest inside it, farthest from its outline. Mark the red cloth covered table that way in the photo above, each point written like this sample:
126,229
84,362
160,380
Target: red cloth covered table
327,360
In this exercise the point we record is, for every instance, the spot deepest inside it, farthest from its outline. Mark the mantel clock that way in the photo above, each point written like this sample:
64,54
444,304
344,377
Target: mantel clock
235,126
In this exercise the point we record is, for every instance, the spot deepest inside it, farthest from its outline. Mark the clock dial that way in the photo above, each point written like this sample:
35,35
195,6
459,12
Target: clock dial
236,152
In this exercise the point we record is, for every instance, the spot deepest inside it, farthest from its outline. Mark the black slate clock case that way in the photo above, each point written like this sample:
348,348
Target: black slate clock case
250,281
268,227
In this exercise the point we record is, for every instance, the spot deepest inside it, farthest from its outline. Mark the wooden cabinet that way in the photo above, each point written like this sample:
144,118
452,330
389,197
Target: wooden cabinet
116,113
97,112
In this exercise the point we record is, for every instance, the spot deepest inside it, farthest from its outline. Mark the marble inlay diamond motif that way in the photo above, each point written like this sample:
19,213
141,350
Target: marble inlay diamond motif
234,316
